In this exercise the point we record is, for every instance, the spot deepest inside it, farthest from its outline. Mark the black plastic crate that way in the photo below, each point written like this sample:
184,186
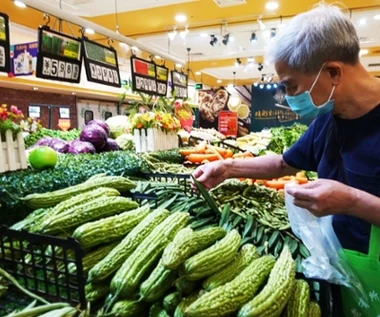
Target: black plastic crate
41,264
183,180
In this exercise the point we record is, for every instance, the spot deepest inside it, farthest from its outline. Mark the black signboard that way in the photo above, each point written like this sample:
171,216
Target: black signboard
179,84
270,109
101,64
59,56
149,78
4,43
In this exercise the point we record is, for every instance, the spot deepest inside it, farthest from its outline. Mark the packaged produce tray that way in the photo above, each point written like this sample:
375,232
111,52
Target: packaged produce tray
41,264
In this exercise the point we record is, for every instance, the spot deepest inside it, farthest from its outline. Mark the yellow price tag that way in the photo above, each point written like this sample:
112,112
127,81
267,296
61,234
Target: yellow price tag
70,54
110,60
2,36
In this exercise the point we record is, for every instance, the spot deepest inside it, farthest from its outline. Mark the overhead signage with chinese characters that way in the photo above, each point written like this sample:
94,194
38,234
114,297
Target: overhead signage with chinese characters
270,109
228,123
24,58
4,43
179,84
101,64
59,56
149,78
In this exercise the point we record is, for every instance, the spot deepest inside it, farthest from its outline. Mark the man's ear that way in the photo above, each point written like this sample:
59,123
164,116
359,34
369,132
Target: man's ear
335,71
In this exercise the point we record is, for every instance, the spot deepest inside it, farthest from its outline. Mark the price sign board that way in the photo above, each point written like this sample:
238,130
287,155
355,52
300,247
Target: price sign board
149,78
4,43
228,123
101,64
180,84
59,56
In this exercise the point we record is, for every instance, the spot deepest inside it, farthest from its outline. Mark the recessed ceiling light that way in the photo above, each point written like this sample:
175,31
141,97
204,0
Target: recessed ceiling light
73,93
204,35
158,57
364,52
20,4
134,48
377,17
178,65
198,73
272,5
35,88
123,44
219,81
363,21
89,31
232,39
180,18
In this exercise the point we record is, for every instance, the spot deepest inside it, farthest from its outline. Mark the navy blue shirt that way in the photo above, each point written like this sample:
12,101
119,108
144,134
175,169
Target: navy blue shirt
347,151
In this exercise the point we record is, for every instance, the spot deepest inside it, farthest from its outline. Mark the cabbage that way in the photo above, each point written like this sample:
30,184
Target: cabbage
102,124
79,147
45,141
118,125
125,142
94,134
59,145
111,145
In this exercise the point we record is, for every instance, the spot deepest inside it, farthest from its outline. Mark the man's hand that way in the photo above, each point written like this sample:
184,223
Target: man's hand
325,197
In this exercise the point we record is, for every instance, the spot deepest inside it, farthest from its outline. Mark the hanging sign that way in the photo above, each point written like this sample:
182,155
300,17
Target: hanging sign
101,64
23,58
59,56
228,123
4,43
179,84
149,78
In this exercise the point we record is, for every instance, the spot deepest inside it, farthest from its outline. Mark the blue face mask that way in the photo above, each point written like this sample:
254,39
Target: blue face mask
304,106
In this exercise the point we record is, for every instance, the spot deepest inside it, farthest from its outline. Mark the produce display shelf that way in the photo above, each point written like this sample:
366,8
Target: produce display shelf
183,180
41,263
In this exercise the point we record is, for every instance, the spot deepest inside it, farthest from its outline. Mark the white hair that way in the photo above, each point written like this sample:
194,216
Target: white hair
312,38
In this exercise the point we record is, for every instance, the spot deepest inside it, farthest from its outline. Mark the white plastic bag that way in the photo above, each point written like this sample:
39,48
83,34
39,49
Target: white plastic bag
327,260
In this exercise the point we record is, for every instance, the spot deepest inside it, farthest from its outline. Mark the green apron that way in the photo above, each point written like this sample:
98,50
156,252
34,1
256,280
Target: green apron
367,268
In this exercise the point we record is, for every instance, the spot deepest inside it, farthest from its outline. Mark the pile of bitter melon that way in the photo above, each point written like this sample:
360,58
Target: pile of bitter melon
145,261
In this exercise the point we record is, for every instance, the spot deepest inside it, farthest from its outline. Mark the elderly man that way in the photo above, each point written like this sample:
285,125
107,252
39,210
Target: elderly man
316,57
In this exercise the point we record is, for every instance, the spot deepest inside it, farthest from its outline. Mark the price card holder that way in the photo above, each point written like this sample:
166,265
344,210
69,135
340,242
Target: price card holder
59,56
180,84
101,64
4,43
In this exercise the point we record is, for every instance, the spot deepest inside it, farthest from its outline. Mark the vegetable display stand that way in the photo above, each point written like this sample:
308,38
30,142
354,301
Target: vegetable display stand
12,152
150,140
42,264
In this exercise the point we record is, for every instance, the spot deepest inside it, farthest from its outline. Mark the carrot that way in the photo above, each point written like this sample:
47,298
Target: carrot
221,151
276,184
187,152
229,154
213,149
199,158
248,154
201,147
238,155
302,180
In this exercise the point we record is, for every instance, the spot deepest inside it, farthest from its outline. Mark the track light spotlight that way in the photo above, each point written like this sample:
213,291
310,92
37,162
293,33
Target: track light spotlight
226,39
273,32
214,40
260,67
238,62
253,37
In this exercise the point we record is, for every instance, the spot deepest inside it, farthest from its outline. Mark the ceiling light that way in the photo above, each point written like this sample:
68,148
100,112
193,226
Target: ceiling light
272,5
123,44
273,33
35,88
172,35
134,48
260,67
256,84
363,52
178,65
275,85
73,93
238,62
157,57
267,33
183,33
261,24
363,21
261,86
219,81
226,39
253,37
230,87
214,40
198,73
180,18
204,35
232,39
269,86
250,60
89,31
270,79
377,17
20,4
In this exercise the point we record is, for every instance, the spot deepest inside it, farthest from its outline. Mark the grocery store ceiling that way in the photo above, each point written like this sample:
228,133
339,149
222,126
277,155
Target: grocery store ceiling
150,21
